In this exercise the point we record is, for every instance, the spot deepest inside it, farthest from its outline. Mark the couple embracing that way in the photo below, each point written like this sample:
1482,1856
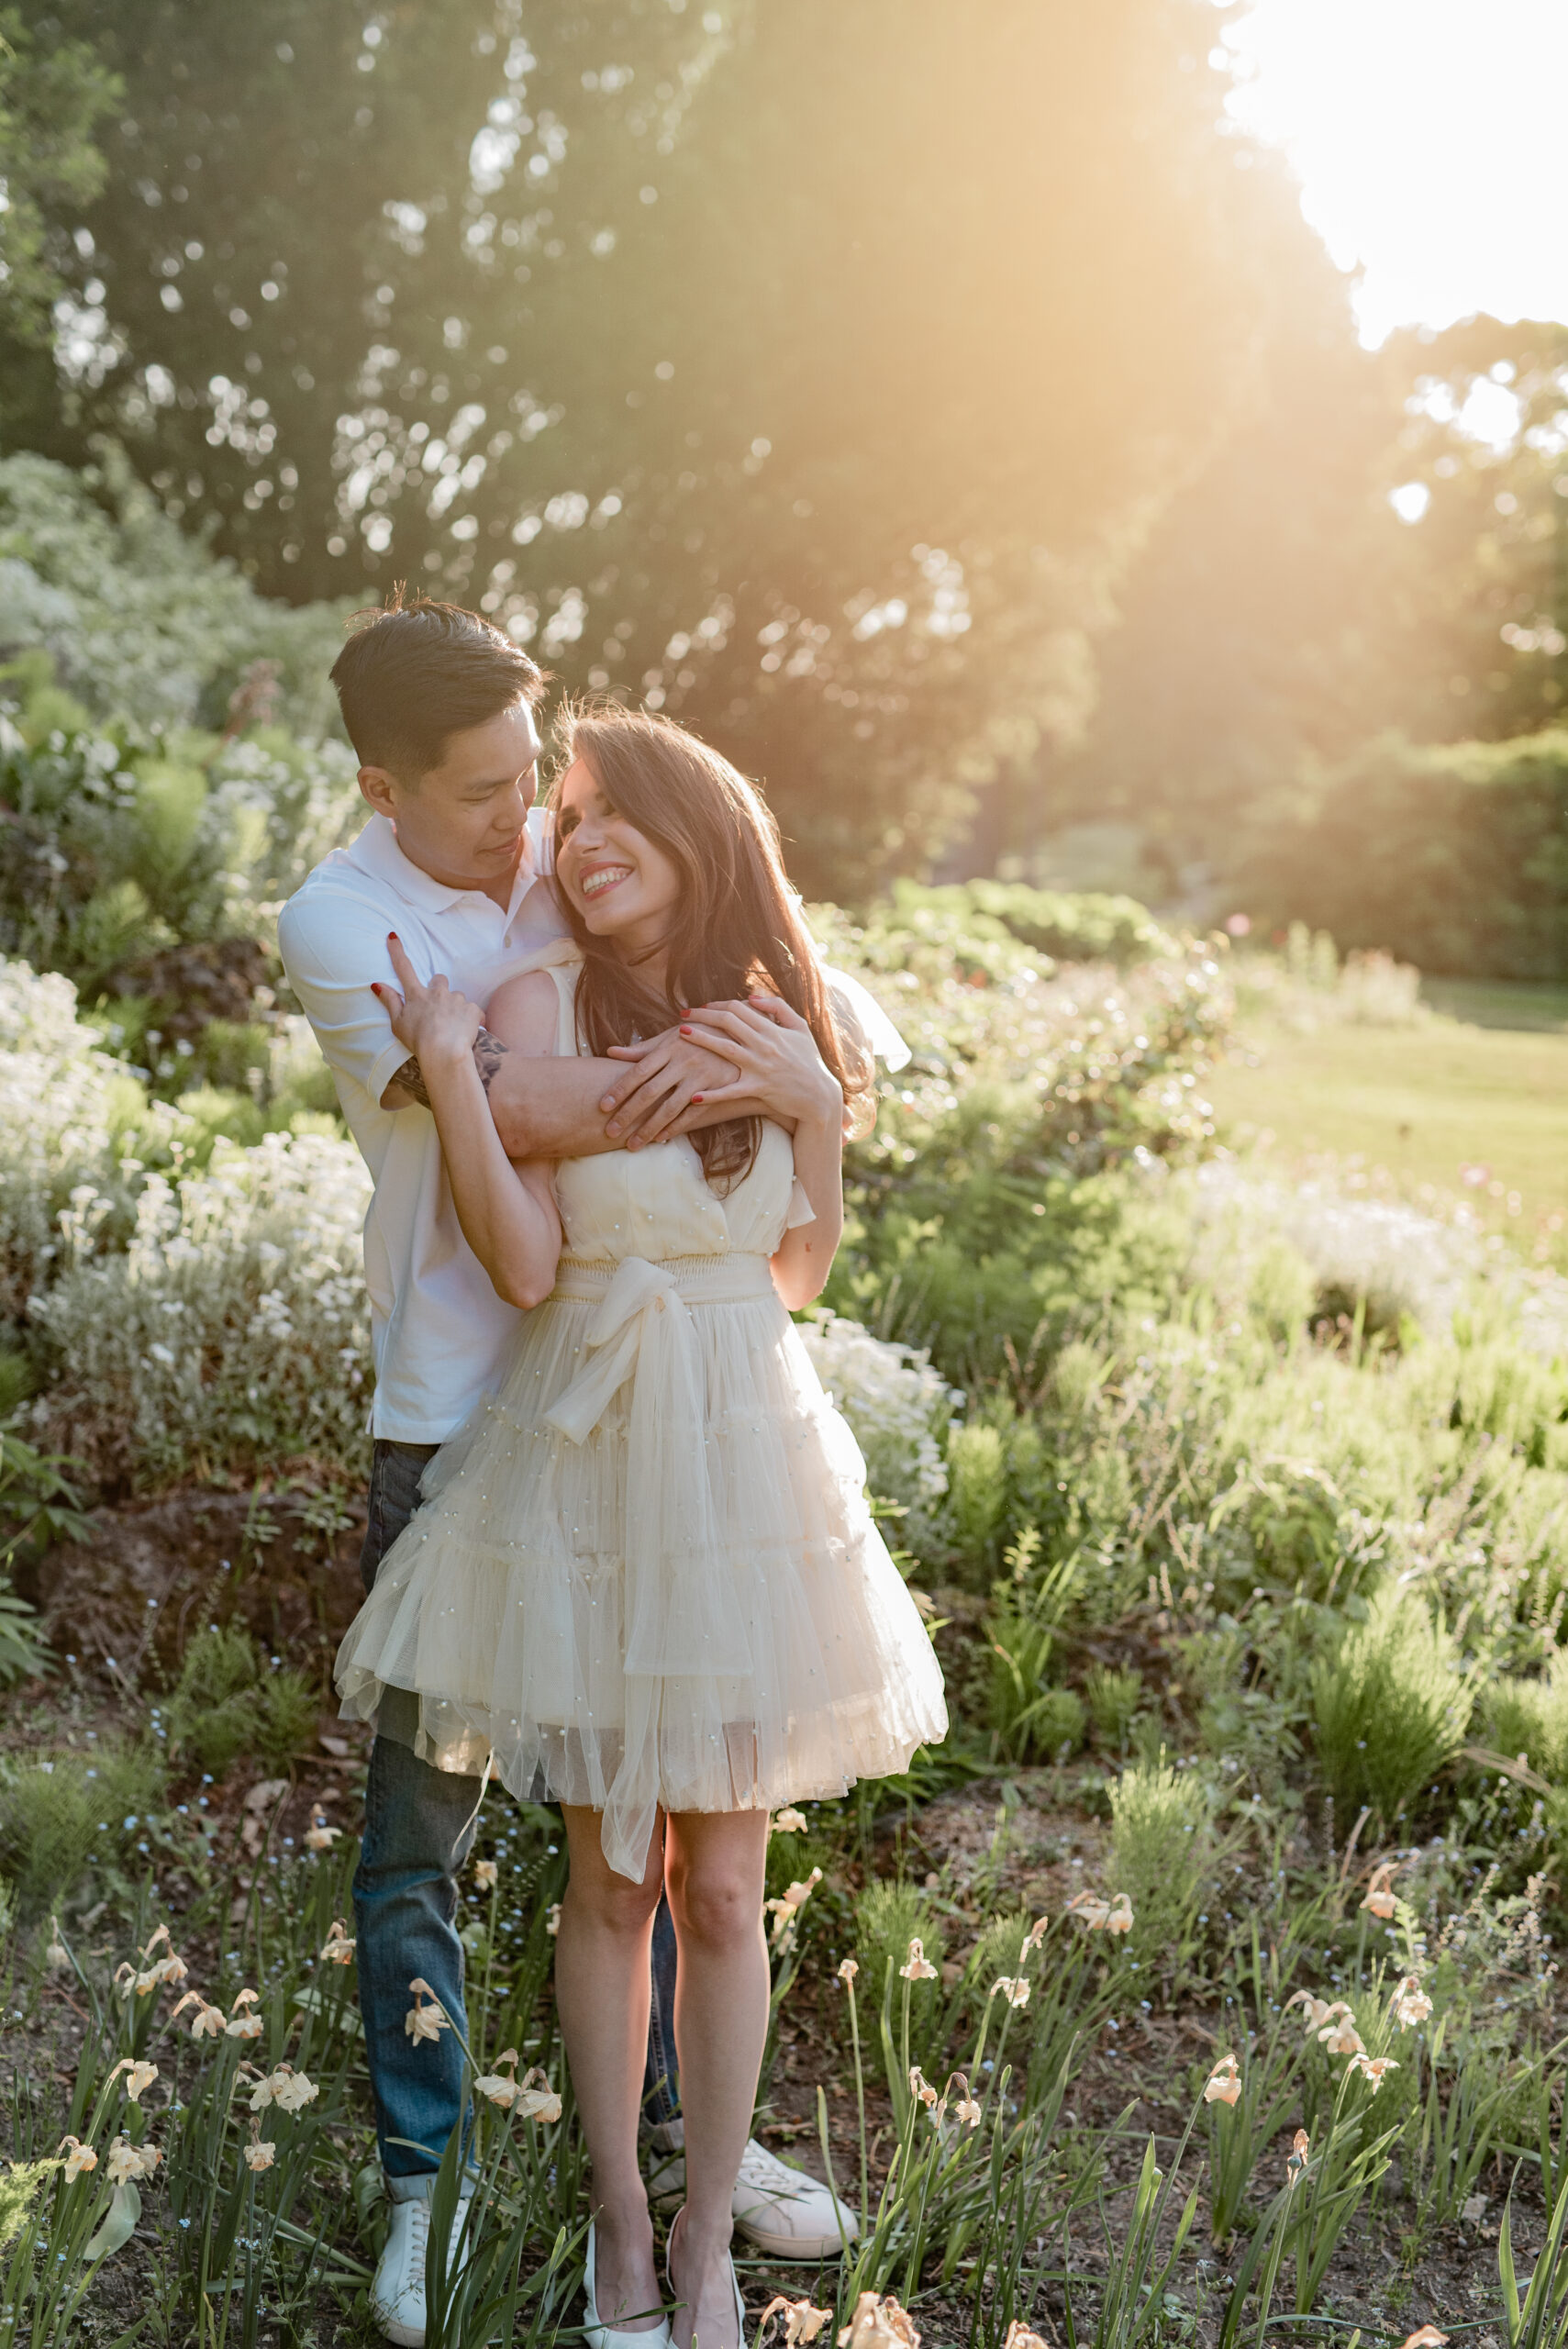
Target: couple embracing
618,1553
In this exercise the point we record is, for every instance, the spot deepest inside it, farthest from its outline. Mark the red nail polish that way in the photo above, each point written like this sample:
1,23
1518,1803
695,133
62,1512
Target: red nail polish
696,1100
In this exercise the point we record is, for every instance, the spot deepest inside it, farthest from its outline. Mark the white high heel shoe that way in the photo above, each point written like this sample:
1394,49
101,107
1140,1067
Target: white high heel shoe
734,2280
598,2335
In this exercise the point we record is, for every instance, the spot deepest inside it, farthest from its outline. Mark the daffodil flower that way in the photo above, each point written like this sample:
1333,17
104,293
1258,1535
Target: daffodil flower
802,2322
789,1822
1372,2067
486,1874
422,2021
138,2075
81,2157
918,1968
1380,1898
126,2161
207,2022
319,1837
261,2153
1014,1988
1411,2004
848,1969
338,1949
879,2324
1295,2160
1224,2083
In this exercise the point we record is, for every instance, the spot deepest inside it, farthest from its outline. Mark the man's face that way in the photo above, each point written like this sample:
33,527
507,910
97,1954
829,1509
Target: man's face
463,822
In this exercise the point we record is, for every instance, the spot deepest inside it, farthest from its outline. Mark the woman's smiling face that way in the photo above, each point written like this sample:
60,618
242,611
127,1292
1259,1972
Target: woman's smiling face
622,883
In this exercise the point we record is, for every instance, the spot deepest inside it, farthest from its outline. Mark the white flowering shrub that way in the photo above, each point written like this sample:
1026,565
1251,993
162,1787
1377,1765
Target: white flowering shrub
77,1133
1392,1259
234,1327
898,1407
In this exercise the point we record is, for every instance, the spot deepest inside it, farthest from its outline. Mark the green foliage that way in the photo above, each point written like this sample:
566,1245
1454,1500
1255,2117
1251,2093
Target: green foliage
123,847
1159,1843
1450,856
1391,1706
1531,1718
1114,1697
111,614
224,1705
889,1915
59,1812
54,94
1066,926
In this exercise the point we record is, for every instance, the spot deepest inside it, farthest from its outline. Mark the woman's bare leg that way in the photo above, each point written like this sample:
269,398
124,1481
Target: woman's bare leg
601,1995
714,1869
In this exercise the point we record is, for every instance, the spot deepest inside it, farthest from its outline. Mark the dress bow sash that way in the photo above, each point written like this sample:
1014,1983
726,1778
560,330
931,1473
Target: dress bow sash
683,1617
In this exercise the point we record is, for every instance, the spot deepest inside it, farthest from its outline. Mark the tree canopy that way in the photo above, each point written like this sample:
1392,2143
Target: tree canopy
811,371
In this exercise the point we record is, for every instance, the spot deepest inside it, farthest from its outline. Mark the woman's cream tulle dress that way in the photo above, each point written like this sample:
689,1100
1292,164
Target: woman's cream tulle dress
645,1573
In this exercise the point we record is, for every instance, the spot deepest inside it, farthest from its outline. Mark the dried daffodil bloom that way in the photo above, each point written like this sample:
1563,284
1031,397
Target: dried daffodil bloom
786,1910
1342,2038
138,2075
536,2099
920,2086
790,1822
285,2088
1372,2067
424,2020
918,1968
1120,1918
1089,1909
848,1969
1316,2011
1037,1934
128,2160
81,2157
207,2022
1014,1988
261,2153
1380,1898
1411,2004
1224,2083
486,1874
1018,2336
1427,2337
242,2023
879,2324
802,2322
552,1919
319,1837
1295,2160
338,1949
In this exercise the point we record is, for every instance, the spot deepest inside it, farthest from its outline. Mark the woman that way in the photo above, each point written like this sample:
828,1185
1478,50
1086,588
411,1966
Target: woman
646,1581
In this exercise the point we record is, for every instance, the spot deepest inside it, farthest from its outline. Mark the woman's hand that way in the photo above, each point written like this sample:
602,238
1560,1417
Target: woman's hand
434,1021
777,1058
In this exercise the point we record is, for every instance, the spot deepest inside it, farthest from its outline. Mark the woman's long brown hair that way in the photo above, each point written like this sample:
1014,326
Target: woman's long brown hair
736,927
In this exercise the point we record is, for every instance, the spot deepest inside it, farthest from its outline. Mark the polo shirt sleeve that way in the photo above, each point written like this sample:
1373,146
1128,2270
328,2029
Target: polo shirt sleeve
333,944
859,1012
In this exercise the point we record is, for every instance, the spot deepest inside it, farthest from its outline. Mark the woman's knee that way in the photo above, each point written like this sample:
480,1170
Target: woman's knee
715,1899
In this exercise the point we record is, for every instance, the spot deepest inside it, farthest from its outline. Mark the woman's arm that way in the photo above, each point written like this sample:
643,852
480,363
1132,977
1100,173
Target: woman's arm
506,1209
780,1067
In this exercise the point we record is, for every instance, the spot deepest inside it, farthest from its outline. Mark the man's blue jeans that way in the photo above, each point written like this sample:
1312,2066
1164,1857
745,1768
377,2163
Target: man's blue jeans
419,1829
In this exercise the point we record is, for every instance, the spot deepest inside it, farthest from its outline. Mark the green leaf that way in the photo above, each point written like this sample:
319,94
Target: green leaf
119,2221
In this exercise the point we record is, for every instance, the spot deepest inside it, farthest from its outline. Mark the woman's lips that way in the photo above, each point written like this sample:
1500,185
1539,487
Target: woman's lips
603,878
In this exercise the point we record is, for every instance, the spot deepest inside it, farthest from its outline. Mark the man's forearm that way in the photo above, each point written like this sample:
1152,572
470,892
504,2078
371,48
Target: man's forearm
489,1053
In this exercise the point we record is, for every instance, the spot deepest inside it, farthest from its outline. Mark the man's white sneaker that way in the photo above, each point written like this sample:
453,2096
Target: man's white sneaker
397,2296
780,2210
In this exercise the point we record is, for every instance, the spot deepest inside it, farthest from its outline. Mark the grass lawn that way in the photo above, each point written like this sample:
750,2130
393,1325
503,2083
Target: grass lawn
1473,1102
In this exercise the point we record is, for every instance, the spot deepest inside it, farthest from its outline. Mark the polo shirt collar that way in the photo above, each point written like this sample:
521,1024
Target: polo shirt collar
376,851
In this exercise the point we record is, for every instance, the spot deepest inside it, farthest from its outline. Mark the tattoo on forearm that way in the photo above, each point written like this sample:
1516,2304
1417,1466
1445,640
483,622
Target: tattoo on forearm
489,1053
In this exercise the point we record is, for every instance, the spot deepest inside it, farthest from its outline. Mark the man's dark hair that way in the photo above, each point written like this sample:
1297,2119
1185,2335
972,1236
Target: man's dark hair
415,672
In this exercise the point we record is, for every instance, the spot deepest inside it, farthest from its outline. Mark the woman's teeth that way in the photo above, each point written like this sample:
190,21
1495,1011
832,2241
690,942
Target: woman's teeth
594,884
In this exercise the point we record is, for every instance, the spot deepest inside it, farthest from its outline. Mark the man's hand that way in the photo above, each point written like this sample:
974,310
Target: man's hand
647,1103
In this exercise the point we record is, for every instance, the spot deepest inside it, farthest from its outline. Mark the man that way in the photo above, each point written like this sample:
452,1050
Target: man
441,709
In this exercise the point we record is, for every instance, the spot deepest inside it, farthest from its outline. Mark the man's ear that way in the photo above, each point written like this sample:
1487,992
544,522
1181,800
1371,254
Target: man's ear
379,787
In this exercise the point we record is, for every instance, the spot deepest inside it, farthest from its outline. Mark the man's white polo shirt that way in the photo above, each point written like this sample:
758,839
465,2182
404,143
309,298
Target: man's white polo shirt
437,1329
